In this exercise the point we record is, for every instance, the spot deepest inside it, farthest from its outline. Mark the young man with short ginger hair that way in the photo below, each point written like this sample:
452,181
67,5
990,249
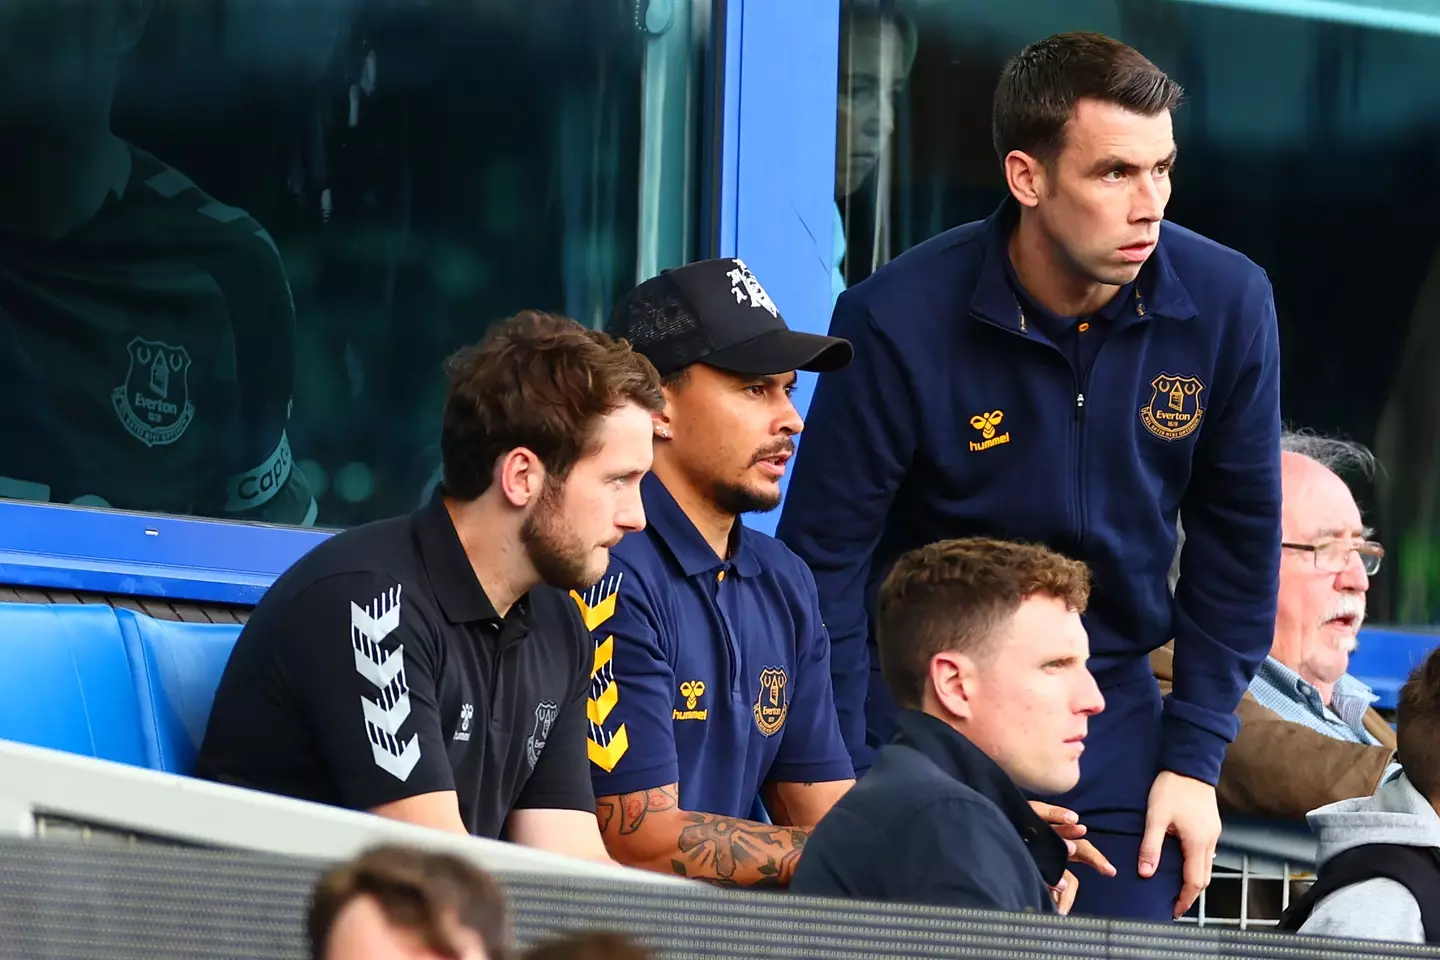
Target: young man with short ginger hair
983,649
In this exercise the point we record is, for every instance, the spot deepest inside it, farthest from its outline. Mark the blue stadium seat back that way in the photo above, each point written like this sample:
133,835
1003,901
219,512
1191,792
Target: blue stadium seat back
177,668
1386,656
66,682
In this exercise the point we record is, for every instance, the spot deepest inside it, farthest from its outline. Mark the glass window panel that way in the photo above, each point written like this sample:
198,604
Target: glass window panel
1306,142
239,237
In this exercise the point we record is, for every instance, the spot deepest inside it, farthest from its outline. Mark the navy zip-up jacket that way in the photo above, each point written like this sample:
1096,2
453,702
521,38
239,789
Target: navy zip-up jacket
959,417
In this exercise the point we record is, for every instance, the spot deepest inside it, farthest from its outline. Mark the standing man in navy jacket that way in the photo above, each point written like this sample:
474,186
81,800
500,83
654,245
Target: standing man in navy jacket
1071,371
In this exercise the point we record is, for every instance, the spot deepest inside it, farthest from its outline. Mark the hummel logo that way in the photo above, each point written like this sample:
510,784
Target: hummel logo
466,713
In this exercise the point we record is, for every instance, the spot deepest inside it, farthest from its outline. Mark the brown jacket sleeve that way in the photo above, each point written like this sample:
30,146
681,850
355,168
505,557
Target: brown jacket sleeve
1281,770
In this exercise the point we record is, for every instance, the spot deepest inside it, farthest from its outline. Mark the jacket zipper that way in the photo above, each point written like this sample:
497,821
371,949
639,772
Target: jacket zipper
1077,468
1080,387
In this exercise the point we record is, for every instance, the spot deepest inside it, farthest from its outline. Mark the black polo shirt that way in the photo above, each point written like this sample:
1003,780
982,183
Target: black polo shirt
376,669
934,821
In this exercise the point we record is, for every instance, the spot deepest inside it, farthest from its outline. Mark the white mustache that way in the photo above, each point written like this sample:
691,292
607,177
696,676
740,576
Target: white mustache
1346,604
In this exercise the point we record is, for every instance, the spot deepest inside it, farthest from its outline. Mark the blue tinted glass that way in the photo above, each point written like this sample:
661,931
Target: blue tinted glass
239,237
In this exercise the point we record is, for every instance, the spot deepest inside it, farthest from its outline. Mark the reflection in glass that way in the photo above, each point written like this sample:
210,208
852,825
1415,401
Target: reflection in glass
146,328
238,237
1304,144
877,49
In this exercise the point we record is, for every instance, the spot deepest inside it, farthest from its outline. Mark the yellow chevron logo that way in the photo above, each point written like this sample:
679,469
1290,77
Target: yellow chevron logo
603,652
598,605
598,708
606,757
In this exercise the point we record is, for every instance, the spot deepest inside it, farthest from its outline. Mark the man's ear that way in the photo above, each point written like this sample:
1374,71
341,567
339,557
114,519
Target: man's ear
1026,178
953,683
520,477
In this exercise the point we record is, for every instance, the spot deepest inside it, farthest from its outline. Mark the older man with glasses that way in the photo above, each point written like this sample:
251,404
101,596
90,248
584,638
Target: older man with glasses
1326,563
1309,735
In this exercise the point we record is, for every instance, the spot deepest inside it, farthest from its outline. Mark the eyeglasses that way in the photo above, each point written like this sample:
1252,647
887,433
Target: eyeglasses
1333,556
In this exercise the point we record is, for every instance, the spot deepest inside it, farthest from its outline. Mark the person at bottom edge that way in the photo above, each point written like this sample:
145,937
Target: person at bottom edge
1379,856
982,646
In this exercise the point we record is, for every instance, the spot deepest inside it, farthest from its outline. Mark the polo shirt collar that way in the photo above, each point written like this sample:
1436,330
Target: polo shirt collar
1349,700
666,520
957,757
1157,292
447,567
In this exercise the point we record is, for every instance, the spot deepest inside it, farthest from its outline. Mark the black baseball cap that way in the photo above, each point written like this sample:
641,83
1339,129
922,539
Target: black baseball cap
715,312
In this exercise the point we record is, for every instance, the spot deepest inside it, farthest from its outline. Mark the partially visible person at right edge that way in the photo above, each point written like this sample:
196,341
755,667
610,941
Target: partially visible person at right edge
1379,856
1073,372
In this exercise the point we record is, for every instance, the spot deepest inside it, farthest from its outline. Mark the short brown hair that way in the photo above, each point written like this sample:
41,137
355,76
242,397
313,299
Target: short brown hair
1417,721
536,381
424,893
588,946
953,595
1039,88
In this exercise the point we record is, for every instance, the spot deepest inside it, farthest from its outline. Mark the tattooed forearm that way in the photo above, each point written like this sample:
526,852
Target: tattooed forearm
728,850
647,828
635,807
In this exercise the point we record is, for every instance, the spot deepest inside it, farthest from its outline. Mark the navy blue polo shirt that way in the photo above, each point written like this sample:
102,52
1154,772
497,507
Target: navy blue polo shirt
710,673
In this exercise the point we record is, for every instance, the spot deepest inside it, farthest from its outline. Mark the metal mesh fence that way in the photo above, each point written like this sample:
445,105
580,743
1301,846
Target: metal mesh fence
78,901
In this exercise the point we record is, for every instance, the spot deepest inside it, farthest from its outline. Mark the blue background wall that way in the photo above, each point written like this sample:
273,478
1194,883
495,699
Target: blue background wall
778,160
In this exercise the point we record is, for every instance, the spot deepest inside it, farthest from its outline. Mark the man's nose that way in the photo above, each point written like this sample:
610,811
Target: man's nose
1353,577
630,515
887,118
1090,701
790,421
1149,202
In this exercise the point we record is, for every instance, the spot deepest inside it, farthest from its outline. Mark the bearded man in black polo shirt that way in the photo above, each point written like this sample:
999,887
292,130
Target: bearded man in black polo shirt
426,668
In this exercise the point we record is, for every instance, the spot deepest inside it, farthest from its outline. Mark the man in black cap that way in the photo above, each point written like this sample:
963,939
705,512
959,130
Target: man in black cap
711,683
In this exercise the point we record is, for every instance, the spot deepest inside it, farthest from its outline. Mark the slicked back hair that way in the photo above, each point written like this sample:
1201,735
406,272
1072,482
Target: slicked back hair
1040,87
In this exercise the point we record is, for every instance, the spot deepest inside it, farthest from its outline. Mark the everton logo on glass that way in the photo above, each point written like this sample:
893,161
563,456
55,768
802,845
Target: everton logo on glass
154,401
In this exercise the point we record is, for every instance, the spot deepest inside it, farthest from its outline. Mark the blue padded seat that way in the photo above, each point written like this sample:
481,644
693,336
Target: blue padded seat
66,682
177,667
1387,655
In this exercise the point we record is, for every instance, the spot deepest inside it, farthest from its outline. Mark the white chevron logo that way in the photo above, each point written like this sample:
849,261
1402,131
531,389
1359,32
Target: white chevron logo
369,626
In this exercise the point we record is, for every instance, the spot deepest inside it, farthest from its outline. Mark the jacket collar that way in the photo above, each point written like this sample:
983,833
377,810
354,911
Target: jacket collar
1158,291
965,762
669,523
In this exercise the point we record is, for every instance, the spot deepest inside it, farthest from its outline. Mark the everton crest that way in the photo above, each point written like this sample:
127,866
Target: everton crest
1174,409
154,401
545,713
772,703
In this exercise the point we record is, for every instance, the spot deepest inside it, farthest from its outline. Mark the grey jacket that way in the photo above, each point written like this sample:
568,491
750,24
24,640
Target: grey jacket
1374,909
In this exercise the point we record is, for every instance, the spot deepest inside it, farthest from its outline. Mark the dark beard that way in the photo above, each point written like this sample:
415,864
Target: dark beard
555,553
737,500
